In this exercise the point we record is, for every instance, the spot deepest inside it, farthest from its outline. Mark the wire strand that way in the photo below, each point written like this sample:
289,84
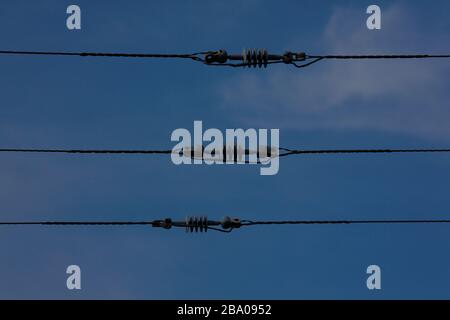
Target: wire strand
294,222
193,56
379,56
78,223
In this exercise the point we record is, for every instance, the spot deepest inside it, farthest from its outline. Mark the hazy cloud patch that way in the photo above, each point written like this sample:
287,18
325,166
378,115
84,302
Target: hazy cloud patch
407,97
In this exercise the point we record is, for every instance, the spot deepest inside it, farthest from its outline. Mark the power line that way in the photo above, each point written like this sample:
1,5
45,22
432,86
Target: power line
203,224
77,223
236,154
86,151
248,58
289,152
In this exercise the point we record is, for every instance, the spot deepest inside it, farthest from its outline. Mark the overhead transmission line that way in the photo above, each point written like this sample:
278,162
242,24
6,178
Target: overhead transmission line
203,224
235,154
248,58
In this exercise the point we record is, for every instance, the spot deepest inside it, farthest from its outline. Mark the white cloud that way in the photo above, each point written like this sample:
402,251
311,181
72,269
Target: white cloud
407,97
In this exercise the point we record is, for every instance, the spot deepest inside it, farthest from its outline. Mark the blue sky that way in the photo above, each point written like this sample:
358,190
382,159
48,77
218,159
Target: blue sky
64,102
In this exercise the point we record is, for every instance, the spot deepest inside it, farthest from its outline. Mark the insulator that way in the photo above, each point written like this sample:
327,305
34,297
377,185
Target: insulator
255,58
196,224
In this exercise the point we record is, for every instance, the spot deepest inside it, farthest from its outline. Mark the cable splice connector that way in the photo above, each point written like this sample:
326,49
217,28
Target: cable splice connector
166,223
219,56
231,223
290,57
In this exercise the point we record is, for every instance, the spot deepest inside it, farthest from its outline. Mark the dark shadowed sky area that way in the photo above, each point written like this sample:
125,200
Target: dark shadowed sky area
74,102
